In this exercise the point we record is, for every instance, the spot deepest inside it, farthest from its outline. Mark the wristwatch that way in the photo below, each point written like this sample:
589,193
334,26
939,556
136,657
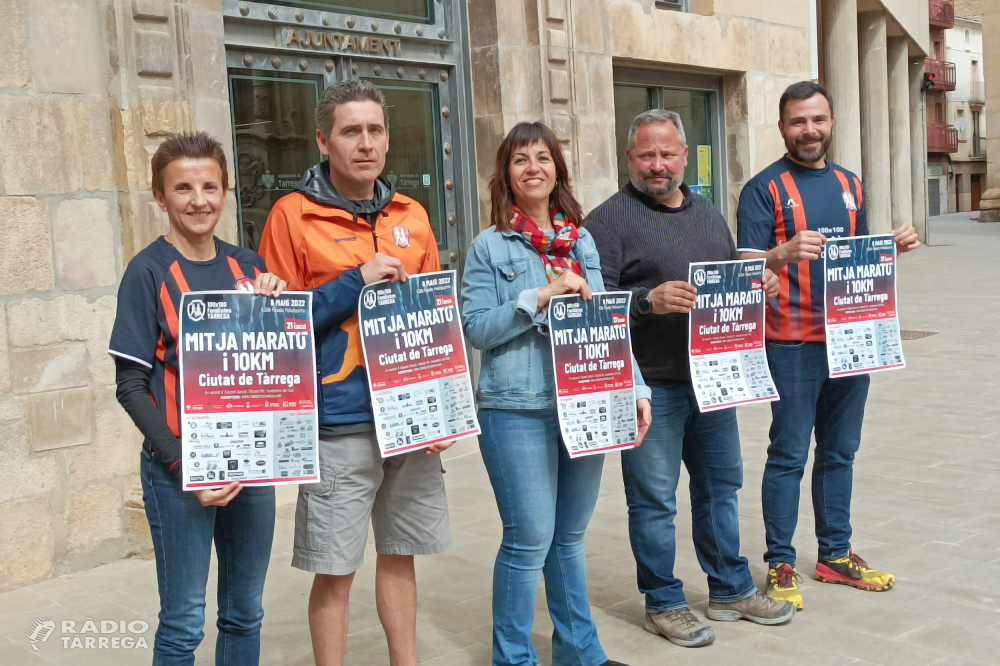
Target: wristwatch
643,306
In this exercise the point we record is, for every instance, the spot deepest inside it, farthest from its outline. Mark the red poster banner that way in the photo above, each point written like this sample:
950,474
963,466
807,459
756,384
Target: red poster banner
248,389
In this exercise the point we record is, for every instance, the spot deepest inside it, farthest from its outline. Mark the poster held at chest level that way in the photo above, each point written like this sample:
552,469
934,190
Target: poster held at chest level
592,360
862,327
726,352
411,333
248,389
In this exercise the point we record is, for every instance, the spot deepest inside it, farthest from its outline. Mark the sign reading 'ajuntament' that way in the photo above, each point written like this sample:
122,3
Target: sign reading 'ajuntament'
341,43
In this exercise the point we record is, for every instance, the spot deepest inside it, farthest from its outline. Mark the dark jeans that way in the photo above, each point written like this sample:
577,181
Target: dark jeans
709,445
183,531
835,408
546,501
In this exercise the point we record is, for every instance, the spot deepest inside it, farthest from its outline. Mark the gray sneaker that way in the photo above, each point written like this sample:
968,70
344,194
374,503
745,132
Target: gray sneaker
759,608
680,627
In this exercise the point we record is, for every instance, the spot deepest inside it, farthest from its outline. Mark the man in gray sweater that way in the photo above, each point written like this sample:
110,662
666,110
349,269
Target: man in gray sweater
646,234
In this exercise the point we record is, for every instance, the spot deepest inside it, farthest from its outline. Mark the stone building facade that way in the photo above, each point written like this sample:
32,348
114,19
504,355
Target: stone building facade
89,88
966,108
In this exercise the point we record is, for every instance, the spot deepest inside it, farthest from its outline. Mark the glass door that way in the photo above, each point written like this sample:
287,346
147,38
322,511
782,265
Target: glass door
413,163
695,110
695,99
274,136
421,162
274,139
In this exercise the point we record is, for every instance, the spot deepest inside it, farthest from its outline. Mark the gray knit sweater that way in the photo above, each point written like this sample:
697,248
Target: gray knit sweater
643,244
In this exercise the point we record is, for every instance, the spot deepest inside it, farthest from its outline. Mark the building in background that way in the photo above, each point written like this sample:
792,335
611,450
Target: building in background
89,89
942,135
956,113
967,110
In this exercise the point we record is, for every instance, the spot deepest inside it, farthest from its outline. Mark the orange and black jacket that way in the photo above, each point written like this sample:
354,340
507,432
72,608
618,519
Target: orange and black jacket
316,239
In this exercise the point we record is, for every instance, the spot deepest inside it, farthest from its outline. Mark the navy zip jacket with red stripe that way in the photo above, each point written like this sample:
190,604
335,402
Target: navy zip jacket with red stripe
145,330
779,202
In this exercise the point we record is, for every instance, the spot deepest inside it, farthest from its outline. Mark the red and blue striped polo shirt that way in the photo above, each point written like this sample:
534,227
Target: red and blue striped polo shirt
146,326
781,201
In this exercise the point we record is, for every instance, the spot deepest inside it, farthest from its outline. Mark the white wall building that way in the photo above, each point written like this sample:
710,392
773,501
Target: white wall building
967,112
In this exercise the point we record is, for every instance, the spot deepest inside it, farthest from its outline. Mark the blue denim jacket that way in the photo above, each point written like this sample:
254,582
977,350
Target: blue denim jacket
503,274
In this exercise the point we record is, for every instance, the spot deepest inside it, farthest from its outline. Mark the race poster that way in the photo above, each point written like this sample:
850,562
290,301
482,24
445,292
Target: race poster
726,344
418,370
248,389
862,328
592,357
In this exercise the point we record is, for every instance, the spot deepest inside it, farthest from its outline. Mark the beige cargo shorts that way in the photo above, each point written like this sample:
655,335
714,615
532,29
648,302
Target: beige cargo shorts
403,496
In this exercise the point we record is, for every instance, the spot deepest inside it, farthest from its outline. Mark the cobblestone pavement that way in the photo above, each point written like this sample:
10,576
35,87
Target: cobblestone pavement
926,507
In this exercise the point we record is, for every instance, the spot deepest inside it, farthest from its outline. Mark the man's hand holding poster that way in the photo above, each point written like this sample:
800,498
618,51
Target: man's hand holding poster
862,328
726,345
592,359
411,333
248,389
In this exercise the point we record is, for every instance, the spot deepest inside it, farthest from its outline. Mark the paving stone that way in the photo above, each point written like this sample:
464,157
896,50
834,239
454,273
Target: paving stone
92,516
68,46
48,368
60,419
15,72
7,405
84,244
27,547
26,261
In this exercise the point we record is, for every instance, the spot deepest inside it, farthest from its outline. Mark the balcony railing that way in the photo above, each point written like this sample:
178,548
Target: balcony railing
942,13
977,92
978,147
944,74
941,138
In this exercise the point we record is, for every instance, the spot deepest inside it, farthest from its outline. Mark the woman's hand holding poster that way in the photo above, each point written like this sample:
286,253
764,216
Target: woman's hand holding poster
592,358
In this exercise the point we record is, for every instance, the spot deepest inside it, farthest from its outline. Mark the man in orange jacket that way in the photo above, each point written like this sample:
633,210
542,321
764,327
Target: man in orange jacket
342,228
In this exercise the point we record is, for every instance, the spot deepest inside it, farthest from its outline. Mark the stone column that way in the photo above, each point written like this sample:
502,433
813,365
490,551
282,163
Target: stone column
899,132
989,205
840,58
918,149
874,79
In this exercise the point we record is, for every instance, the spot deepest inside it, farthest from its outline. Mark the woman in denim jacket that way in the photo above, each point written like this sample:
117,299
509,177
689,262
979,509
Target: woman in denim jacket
535,250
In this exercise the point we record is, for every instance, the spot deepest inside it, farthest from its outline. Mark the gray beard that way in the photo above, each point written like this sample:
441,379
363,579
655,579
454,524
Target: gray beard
657,192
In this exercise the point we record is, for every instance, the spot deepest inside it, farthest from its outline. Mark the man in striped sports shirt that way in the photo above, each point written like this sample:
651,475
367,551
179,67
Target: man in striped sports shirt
786,214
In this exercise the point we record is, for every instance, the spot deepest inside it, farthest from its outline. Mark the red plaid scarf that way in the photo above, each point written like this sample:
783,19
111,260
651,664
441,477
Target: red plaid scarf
556,250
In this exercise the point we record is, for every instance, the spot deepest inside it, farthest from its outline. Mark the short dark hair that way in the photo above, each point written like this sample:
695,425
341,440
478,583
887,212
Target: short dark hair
802,90
356,90
192,146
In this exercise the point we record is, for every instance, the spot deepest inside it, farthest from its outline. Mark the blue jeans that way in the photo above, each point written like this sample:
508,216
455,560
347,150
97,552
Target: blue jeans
183,531
546,501
709,445
835,408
